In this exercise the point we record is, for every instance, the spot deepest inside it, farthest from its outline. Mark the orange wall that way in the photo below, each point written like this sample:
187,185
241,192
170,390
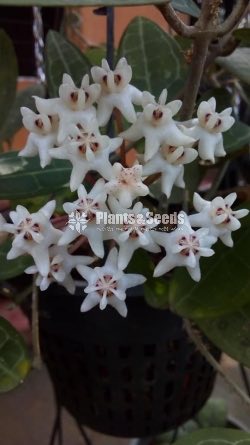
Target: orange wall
94,26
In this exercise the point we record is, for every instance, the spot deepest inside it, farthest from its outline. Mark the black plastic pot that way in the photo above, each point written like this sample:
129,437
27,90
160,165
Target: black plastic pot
132,377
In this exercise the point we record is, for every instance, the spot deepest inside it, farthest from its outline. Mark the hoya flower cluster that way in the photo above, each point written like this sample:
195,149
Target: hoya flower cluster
71,127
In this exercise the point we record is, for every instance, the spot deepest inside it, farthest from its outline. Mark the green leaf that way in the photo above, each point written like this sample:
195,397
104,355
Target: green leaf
215,436
231,333
95,55
243,35
213,414
61,57
14,359
193,174
8,75
222,96
185,43
224,285
237,137
23,99
12,268
187,6
23,177
156,292
238,64
35,203
155,57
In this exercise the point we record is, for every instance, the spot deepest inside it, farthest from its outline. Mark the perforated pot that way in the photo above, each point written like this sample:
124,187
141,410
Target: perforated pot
131,377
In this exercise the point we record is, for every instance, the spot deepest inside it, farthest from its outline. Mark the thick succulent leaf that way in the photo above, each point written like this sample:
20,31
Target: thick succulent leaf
12,268
243,35
213,414
238,64
222,96
155,57
215,436
237,137
156,290
185,43
8,76
231,333
96,54
14,359
23,177
224,285
186,6
63,57
193,174
23,99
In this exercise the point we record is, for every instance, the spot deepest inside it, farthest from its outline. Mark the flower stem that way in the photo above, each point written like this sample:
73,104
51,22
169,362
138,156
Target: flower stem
195,337
118,119
79,242
35,326
152,178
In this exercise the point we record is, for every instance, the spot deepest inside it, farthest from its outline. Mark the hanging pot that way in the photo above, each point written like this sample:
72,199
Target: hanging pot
129,377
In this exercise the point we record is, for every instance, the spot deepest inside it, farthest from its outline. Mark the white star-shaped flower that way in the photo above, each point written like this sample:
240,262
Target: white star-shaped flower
184,247
208,129
134,233
88,204
157,126
125,184
74,104
107,285
218,216
116,91
33,234
42,137
3,233
169,161
87,150
61,265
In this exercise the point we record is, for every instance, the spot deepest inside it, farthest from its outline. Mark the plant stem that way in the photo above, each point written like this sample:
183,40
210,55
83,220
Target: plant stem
174,21
200,51
79,242
217,366
118,119
152,178
35,326
117,157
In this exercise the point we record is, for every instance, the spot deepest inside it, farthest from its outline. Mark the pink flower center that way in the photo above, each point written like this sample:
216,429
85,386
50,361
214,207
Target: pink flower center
190,244
226,211
106,284
27,226
89,207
